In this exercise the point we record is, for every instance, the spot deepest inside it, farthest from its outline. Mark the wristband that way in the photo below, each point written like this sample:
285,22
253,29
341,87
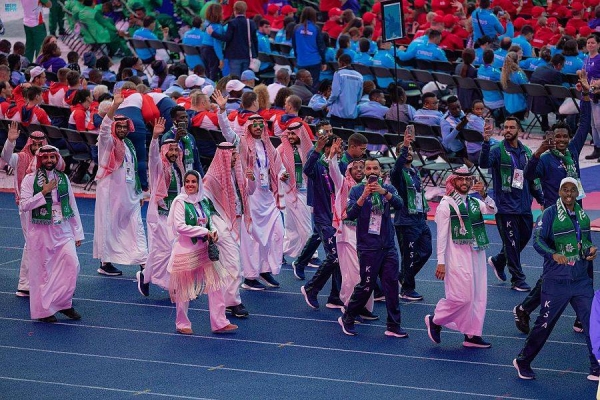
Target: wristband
386,192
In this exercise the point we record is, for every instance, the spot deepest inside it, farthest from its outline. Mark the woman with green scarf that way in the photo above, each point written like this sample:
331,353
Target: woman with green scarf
192,271
563,239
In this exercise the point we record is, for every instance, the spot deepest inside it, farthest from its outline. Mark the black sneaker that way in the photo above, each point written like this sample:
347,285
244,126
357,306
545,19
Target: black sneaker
238,311
476,342
334,303
71,313
268,278
253,284
109,270
298,271
524,371
433,330
521,319
578,326
594,375
315,262
411,295
380,298
22,293
144,288
368,315
51,319
396,331
521,286
499,272
347,328
309,298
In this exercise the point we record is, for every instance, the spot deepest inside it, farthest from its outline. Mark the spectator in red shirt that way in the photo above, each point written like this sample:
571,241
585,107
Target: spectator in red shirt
576,21
334,26
450,41
446,6
326,5
275,19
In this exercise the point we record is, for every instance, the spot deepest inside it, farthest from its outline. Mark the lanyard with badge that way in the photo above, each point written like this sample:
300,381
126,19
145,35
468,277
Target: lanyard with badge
518,178
419,195
374,218
263,171
128,164
57,216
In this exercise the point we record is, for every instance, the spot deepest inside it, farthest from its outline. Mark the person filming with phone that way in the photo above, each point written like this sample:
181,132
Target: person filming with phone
179,132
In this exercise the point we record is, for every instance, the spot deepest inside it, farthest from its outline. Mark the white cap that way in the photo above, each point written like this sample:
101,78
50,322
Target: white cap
35,72
193,81
569,180
234,85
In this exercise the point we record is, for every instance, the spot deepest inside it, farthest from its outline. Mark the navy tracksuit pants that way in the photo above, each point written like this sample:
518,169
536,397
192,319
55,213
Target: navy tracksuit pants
415,248
555,296
330,267
382,263
515,231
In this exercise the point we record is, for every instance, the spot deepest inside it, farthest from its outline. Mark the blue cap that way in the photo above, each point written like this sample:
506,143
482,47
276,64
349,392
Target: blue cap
247,75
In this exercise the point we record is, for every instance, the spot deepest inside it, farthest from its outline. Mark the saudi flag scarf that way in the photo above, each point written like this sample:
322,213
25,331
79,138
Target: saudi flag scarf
191,215
412,194
188,152
467,226
565,235
506,167
567,160
376,198
138,185
43,215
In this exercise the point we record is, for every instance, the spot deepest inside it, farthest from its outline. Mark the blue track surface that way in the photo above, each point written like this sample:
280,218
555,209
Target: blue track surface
126,345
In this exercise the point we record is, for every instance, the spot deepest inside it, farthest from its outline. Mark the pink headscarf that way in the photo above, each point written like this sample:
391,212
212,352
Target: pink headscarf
342,197
220,188
117,154
248,154
36,161
162,188
286,152
26,156
459,172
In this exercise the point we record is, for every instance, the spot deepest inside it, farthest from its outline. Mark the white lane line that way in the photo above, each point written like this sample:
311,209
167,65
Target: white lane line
133,392
280,374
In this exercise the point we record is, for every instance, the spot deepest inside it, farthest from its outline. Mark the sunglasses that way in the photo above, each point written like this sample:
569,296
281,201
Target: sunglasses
258,124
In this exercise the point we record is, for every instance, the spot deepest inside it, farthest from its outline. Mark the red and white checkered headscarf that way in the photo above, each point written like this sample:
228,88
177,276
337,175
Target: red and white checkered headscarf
219,187
117,155
26,156
248,154
36,161
462,171
286,153
162,188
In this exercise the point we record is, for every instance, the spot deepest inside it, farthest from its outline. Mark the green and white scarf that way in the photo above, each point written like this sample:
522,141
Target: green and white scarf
567,160
411,192
506,167
172,192
376,198
469,225
43,215
565,236
191,215
298,168
138,185
188,152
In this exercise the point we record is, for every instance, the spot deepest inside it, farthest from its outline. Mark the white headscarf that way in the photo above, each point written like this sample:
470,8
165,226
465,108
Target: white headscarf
184,197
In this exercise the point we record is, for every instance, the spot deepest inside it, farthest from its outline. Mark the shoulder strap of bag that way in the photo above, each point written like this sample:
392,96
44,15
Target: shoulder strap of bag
249,40
479,23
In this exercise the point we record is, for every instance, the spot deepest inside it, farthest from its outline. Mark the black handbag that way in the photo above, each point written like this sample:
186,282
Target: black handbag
213,251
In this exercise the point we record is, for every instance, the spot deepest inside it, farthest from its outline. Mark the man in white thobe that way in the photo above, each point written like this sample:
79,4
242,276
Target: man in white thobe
119,235
53,234
166,172
225,185
461,243
262,242
293,150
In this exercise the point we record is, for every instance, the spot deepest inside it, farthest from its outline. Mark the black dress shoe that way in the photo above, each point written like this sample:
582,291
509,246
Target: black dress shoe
50,319
70,313
239,311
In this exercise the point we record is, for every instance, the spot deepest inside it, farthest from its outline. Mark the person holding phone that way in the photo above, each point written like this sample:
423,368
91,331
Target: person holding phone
370,204
514,195
557,158
187,142
563,239
410,221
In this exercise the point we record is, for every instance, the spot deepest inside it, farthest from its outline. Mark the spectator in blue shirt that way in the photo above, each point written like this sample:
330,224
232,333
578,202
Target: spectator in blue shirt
515,103
384,58
524,40
264,42
482,44
453,121
573,62
430,51
375,107
500,54
492,100
363,57
211,49
485,23
346,91
308,44
194,37
429,114
345,47
146,33
319,101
